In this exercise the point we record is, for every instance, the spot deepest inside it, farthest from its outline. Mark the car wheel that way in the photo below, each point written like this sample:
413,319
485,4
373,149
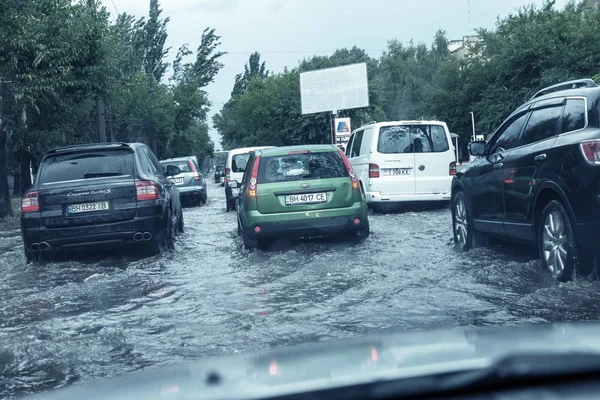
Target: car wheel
364,232
227,209
180,222
249,243
239,227
465,237
556,241
205,199
30,256
163,239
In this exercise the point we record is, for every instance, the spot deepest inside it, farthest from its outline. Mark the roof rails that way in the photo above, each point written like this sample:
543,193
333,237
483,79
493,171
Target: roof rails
578,83
88,146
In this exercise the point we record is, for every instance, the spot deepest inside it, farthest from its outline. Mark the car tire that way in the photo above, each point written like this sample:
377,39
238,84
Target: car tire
205,199
227,209
180,221
163,239
30,256
364,233
557,246
465,237
249,243
239,227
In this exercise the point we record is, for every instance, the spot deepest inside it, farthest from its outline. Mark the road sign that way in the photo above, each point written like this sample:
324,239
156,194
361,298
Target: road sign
333,89
342,130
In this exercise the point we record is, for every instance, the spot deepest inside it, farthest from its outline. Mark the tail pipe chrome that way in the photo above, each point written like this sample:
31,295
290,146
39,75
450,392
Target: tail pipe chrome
147,236
138,236
44,246
35,247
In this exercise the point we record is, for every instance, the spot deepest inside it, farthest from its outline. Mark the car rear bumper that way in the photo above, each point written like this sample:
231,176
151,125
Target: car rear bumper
192,193
109,233
313,227
377,197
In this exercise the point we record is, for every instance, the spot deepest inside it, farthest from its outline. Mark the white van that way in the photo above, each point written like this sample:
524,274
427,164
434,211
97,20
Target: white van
403,161
234,171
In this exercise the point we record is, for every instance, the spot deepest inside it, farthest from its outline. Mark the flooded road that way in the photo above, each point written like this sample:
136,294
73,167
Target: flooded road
104,315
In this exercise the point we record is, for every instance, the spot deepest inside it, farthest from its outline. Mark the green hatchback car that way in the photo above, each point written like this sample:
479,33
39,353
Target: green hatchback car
299,192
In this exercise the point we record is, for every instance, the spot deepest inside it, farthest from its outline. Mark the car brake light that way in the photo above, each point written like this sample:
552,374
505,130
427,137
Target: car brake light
355,184
591,151
146,190
30,202
194,170
299,152
452,168
253,178
227,172
373,171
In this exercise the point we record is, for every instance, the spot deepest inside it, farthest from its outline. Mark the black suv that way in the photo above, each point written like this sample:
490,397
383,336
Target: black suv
97,194
537,180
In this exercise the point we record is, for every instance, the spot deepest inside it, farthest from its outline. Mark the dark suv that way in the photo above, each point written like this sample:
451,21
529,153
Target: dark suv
100,194
537,180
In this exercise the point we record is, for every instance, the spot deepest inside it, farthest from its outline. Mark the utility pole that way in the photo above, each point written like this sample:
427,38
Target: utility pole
100,117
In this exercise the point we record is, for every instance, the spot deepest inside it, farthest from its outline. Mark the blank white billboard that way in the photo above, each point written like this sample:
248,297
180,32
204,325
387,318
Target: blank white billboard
333,89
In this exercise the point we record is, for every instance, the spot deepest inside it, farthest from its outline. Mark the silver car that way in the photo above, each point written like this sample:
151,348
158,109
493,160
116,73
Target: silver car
190,182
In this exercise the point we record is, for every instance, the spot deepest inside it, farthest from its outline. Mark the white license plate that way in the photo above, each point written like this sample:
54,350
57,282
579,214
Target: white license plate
305,198
397,171
88,207
177,181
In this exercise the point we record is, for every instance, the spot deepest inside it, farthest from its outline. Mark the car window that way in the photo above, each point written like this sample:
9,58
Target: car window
183,165
349,145
248,171
88,165
394,139
291,167
154,164
239,161
542,124
429,138
355,152
507,135
573,115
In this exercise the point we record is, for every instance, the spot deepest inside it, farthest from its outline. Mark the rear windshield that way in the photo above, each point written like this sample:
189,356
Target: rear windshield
239,161
98,164
412,139
292,167
184,166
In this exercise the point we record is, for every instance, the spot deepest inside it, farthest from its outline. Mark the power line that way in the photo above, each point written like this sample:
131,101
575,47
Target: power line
115,6
293,51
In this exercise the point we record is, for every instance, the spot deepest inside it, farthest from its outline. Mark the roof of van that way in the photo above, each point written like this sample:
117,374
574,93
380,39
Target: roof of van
280,151
243,150
404,122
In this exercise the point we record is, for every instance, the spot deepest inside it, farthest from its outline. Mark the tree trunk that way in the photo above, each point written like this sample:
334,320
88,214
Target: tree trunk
17,184
25,163
5,206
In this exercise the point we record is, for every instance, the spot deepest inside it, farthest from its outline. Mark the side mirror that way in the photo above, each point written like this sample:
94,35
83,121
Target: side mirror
233,184
477,148
172,170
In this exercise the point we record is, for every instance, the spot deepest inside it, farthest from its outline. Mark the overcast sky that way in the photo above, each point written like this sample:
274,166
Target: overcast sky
285,31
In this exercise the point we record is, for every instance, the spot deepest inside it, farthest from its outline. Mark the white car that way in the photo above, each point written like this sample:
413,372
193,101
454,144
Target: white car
234,171
401,161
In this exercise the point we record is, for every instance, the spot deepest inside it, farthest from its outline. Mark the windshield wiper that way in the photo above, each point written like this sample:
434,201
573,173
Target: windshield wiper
101,174
526,369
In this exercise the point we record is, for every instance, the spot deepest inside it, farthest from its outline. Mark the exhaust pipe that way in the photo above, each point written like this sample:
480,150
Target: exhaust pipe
35,247
147,236
44,246
138,236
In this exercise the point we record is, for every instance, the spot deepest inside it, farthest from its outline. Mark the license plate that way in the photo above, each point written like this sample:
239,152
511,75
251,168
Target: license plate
177,181
305,198
88,207
397,171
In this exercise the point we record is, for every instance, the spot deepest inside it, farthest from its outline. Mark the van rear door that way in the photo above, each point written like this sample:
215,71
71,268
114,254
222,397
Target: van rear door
396,161
433,155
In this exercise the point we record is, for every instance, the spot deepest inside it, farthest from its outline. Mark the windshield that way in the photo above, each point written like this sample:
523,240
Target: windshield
86,165
350,169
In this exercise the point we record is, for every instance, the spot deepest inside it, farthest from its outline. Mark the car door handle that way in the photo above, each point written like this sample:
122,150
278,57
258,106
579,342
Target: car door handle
539,158
498,165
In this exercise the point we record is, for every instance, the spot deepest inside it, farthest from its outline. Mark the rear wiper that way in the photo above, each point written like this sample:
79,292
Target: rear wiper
101,174
526,369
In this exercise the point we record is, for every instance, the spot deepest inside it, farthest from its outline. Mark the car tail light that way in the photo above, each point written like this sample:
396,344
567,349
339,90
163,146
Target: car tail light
30,202
227,172
373,171
253,178
452,168
194,170
300,152
146,190
591,151
355,184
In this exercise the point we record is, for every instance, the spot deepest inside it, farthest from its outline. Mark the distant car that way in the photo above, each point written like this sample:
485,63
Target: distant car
403,161
235,166
100,194
299,191
537,180
190,182
220,160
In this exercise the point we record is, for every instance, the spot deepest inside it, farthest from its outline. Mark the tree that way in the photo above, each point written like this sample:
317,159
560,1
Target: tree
156,35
